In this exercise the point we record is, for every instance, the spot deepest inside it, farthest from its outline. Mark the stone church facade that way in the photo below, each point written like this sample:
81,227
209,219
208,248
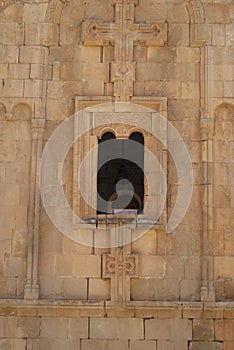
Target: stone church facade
121,67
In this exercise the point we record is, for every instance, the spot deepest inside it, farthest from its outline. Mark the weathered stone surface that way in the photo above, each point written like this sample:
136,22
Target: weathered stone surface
228,345
104,344
32,54
172,345
78,328
203,329
217,13
87,266
59,57
152,266
199,345
126,328
154,289
14,344
224,329
147,244
8,327
34,13
54,344
52,327
142,344
99,289
28,327
168,329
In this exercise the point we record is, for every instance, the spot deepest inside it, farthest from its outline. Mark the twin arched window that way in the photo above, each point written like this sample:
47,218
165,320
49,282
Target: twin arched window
120,163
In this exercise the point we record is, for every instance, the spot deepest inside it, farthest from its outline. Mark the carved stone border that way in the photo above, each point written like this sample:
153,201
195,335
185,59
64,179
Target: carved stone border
159,309
159,104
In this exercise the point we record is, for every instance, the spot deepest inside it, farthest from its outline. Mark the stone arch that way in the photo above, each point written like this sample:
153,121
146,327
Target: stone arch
134,129
54,11
5,4
3,111
224,112
105,130
55,8
21,111
196,11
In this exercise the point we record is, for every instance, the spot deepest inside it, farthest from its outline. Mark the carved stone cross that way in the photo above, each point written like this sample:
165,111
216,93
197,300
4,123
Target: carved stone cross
124,33
120,267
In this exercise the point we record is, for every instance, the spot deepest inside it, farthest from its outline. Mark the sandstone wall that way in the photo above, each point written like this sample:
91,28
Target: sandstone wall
44,66
182,327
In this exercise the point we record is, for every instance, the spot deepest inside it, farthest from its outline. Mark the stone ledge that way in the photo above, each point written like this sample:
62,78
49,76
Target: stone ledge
157,309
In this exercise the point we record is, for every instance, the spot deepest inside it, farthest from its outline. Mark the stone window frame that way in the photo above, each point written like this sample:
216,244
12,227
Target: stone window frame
87,214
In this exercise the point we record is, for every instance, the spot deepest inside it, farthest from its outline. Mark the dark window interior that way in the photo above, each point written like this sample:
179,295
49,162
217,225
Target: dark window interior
115,168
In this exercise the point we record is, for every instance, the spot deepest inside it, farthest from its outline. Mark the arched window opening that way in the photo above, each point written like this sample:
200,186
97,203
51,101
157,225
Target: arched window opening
115,168
106,136
138,137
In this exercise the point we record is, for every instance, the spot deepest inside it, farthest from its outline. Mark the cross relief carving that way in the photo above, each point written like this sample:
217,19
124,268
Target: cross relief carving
124,33
120,267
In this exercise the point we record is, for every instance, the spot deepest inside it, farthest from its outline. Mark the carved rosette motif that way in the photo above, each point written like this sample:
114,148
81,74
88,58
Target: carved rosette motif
120,263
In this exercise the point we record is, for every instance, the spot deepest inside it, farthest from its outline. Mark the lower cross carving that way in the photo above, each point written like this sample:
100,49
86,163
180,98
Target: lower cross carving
120,267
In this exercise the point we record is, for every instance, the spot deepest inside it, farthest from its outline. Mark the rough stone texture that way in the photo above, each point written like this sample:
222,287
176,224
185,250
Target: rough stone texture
141,344
116,328
203,329
224,329
168,329
104,344
205,345
167,291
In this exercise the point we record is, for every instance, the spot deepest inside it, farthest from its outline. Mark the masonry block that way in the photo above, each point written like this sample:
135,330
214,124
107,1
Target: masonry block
11,33
217,13
143,344
168,329
12,344
146,245
104,344
199,345
203,329
32,54
33,88
87,266
152,266
78,328
99,289
115,328
34,13
8,327
28,327
224,329
228,345
42,34
172,345
54,327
